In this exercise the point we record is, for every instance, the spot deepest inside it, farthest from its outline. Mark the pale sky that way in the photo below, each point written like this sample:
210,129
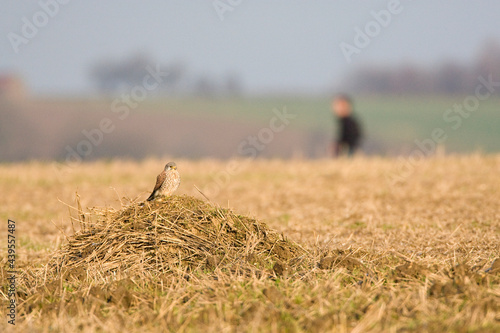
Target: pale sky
276,45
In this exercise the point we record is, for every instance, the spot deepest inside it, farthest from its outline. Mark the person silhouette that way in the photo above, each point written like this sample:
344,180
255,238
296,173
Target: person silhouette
349,129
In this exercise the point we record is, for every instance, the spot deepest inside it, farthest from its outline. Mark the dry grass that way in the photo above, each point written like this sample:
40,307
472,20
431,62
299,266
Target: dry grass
177,233
379,256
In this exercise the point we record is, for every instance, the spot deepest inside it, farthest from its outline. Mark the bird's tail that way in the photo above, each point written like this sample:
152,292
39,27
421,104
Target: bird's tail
152,196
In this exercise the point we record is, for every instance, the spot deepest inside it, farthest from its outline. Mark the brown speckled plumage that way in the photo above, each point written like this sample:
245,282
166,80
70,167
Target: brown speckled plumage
167,182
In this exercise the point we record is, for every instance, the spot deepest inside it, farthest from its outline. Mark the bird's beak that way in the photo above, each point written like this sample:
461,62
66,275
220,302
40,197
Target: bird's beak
174,167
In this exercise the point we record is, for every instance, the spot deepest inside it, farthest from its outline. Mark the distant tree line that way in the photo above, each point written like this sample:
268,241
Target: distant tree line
112,77
447,78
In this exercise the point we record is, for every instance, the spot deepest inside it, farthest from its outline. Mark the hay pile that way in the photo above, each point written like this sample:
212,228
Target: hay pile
180,232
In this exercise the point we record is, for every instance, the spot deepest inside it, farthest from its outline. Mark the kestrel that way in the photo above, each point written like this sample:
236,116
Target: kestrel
167,181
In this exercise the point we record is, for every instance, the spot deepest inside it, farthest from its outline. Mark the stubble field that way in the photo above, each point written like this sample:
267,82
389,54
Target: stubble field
369,251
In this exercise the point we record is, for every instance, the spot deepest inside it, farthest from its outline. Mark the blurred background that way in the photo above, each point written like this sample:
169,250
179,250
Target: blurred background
88,80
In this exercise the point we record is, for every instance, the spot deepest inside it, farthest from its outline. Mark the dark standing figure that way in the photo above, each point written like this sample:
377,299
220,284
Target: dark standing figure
349,131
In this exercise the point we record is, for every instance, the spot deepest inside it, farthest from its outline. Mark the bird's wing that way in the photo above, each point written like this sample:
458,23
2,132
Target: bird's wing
159,180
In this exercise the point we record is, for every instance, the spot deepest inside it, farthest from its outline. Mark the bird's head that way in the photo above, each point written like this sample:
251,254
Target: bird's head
170,166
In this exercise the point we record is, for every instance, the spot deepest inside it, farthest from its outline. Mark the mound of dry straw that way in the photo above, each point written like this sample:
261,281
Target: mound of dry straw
179,232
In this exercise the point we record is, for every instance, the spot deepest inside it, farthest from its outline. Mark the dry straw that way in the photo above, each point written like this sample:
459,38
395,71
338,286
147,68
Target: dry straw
179,232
